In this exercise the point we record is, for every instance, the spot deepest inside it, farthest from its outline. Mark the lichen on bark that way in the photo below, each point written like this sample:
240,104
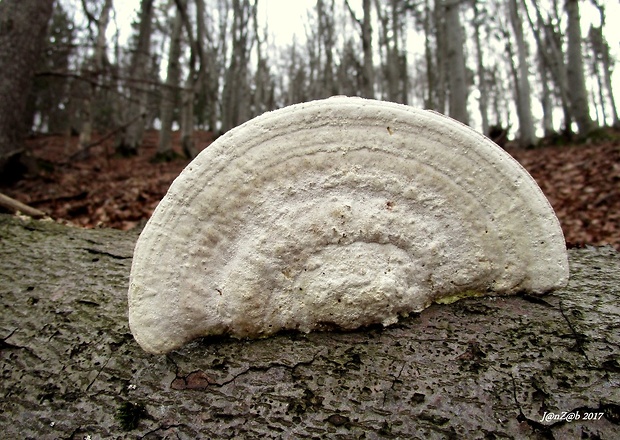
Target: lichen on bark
477,368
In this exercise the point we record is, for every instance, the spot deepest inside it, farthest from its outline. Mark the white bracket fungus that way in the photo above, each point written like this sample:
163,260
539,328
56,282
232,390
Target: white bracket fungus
339,213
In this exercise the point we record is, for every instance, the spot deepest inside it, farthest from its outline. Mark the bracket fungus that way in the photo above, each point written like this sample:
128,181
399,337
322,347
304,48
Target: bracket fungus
340,213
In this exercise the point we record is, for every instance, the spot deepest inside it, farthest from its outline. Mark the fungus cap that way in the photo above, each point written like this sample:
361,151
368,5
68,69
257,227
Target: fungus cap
342,212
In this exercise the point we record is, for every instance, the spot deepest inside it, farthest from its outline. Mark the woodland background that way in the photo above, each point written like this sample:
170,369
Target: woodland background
94,129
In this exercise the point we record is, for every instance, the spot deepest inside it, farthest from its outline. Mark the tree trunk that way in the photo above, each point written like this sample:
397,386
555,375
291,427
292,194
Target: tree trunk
23,25
429,99
527,135
395,76
576,80
93,73
71,368
456,62
441,55
140,60
482,82
545,99
368,70
602,56
236,93
554,60
325,18
170,91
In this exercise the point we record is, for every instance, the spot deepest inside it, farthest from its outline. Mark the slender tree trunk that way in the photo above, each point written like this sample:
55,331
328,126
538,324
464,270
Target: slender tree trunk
326,13
395,75
132,137
545,99
527,136
94,74
575,71
23,25
456,63
235,97
482,83
602,56
170,91
429,101
368,70
553,57
442,55
192,83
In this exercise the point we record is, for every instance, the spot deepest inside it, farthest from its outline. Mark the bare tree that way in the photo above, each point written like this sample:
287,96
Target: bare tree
395,76
93,72
170,91
368,72
479,16
527,135
214,42
326,37
549,41
456,62
575,71
602,61
131,138
22,30
441,54
236,93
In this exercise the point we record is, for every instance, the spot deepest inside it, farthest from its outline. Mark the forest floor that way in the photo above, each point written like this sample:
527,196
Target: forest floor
582,183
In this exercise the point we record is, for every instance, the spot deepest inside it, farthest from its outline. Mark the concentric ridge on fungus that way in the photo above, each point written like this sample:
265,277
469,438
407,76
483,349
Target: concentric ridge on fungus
342,212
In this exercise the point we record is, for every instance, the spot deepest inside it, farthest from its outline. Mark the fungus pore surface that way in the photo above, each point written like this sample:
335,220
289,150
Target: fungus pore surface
342,213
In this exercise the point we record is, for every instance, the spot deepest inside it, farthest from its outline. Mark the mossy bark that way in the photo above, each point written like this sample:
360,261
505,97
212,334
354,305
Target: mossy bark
478,368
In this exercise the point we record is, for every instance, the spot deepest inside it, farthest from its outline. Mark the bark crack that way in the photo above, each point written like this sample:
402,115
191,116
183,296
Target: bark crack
580,338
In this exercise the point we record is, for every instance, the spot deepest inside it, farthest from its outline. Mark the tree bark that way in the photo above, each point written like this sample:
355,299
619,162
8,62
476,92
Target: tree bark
170,92
93,73
456,61
23,25
368,69
482,80
575,71
71,368
236,93
140,60
441,55
527,135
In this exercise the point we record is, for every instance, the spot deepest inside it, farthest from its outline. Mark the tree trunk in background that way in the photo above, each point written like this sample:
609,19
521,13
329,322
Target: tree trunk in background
93,74
575,72
429,99
132,137
545,99
263,96
602,56
441,55
211,61
368,70
482,82
192,83
325,16
456,62
395,77
549,49
235,99
527,136
23,24
170,90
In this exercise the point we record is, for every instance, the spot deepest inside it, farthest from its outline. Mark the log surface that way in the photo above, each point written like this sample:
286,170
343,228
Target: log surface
486,368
